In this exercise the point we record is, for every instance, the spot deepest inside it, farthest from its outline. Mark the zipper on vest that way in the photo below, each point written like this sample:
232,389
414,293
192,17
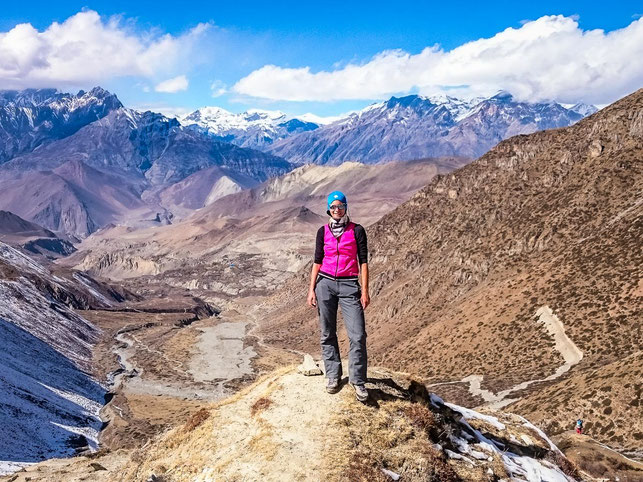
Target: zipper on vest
337,264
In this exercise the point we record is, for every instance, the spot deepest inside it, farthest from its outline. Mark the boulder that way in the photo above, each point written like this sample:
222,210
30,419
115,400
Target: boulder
309,367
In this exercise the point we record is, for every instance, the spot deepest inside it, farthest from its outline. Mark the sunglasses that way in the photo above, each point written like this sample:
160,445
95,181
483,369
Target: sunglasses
336,207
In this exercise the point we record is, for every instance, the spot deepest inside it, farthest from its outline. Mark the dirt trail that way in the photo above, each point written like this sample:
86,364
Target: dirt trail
291,429
564,345
567,348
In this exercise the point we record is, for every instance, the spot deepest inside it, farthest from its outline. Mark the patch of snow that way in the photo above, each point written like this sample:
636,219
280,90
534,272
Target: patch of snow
528,469
90,434
471,414
454,455
435,400
8,467
519,467
391,474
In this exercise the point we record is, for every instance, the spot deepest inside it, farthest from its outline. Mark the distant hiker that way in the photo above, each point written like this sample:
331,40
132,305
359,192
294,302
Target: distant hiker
579,426
340,256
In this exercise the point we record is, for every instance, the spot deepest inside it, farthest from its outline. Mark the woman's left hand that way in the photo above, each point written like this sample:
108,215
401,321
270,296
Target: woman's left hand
366,299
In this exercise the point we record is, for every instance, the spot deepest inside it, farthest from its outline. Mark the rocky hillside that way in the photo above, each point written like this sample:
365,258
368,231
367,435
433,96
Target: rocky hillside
16,231
113,169
516,272
249,242
286,427
413,127
34,117
49,402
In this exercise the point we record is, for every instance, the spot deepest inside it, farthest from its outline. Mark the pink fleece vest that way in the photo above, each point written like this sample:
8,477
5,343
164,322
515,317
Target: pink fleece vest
340,255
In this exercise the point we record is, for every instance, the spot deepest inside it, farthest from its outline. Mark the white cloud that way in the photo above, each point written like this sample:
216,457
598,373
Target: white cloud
87,49
218,88
173,85
548,58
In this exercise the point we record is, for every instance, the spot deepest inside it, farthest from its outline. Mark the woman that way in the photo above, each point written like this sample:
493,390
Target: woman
340,255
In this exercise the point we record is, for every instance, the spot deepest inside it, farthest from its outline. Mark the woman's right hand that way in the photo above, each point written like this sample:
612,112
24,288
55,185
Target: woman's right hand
312,299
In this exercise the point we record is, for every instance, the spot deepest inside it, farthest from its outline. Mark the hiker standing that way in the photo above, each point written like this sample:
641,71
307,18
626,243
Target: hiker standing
341,254
579,426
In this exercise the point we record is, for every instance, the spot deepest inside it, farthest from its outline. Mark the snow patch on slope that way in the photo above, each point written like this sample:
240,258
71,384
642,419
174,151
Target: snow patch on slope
519,467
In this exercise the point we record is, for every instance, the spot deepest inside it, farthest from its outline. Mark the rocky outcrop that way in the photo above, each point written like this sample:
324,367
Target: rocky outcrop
286,427
403,430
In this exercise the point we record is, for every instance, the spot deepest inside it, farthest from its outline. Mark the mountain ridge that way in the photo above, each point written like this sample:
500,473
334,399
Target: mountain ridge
128,157
34,117
413,126
255,129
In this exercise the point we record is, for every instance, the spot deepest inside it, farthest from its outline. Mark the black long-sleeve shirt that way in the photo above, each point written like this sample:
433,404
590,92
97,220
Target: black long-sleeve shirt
360,238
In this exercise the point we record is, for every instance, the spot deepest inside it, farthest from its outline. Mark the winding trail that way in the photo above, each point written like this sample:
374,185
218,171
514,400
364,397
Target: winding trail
565,346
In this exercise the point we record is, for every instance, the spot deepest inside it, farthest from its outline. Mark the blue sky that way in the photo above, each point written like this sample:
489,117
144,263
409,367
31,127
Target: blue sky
340,40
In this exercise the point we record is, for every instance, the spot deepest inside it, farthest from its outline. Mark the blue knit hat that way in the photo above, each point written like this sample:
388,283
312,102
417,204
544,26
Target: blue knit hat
335,196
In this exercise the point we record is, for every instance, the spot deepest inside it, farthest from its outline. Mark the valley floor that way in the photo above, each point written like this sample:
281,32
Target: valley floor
160,369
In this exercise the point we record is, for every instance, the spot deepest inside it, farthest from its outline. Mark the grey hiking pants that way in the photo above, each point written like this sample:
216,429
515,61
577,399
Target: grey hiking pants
346,294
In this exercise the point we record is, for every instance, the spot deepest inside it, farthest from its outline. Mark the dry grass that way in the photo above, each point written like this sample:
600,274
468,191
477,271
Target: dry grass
568,467
594,459
197,419
394,437
421,417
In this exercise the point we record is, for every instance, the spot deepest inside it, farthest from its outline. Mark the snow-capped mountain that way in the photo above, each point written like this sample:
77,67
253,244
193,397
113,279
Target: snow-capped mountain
33,117
459,108
415,127
254,128
111,171
583,109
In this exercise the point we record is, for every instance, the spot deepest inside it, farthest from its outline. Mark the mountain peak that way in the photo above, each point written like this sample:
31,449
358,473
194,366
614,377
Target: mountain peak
405,101
255,128
584,109
258,114
33,117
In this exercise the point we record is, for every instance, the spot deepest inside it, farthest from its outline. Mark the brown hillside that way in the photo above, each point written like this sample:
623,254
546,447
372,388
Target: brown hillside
608,399
459,271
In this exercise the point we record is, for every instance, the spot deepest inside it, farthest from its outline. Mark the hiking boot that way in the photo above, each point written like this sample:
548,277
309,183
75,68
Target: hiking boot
332,385
360,392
